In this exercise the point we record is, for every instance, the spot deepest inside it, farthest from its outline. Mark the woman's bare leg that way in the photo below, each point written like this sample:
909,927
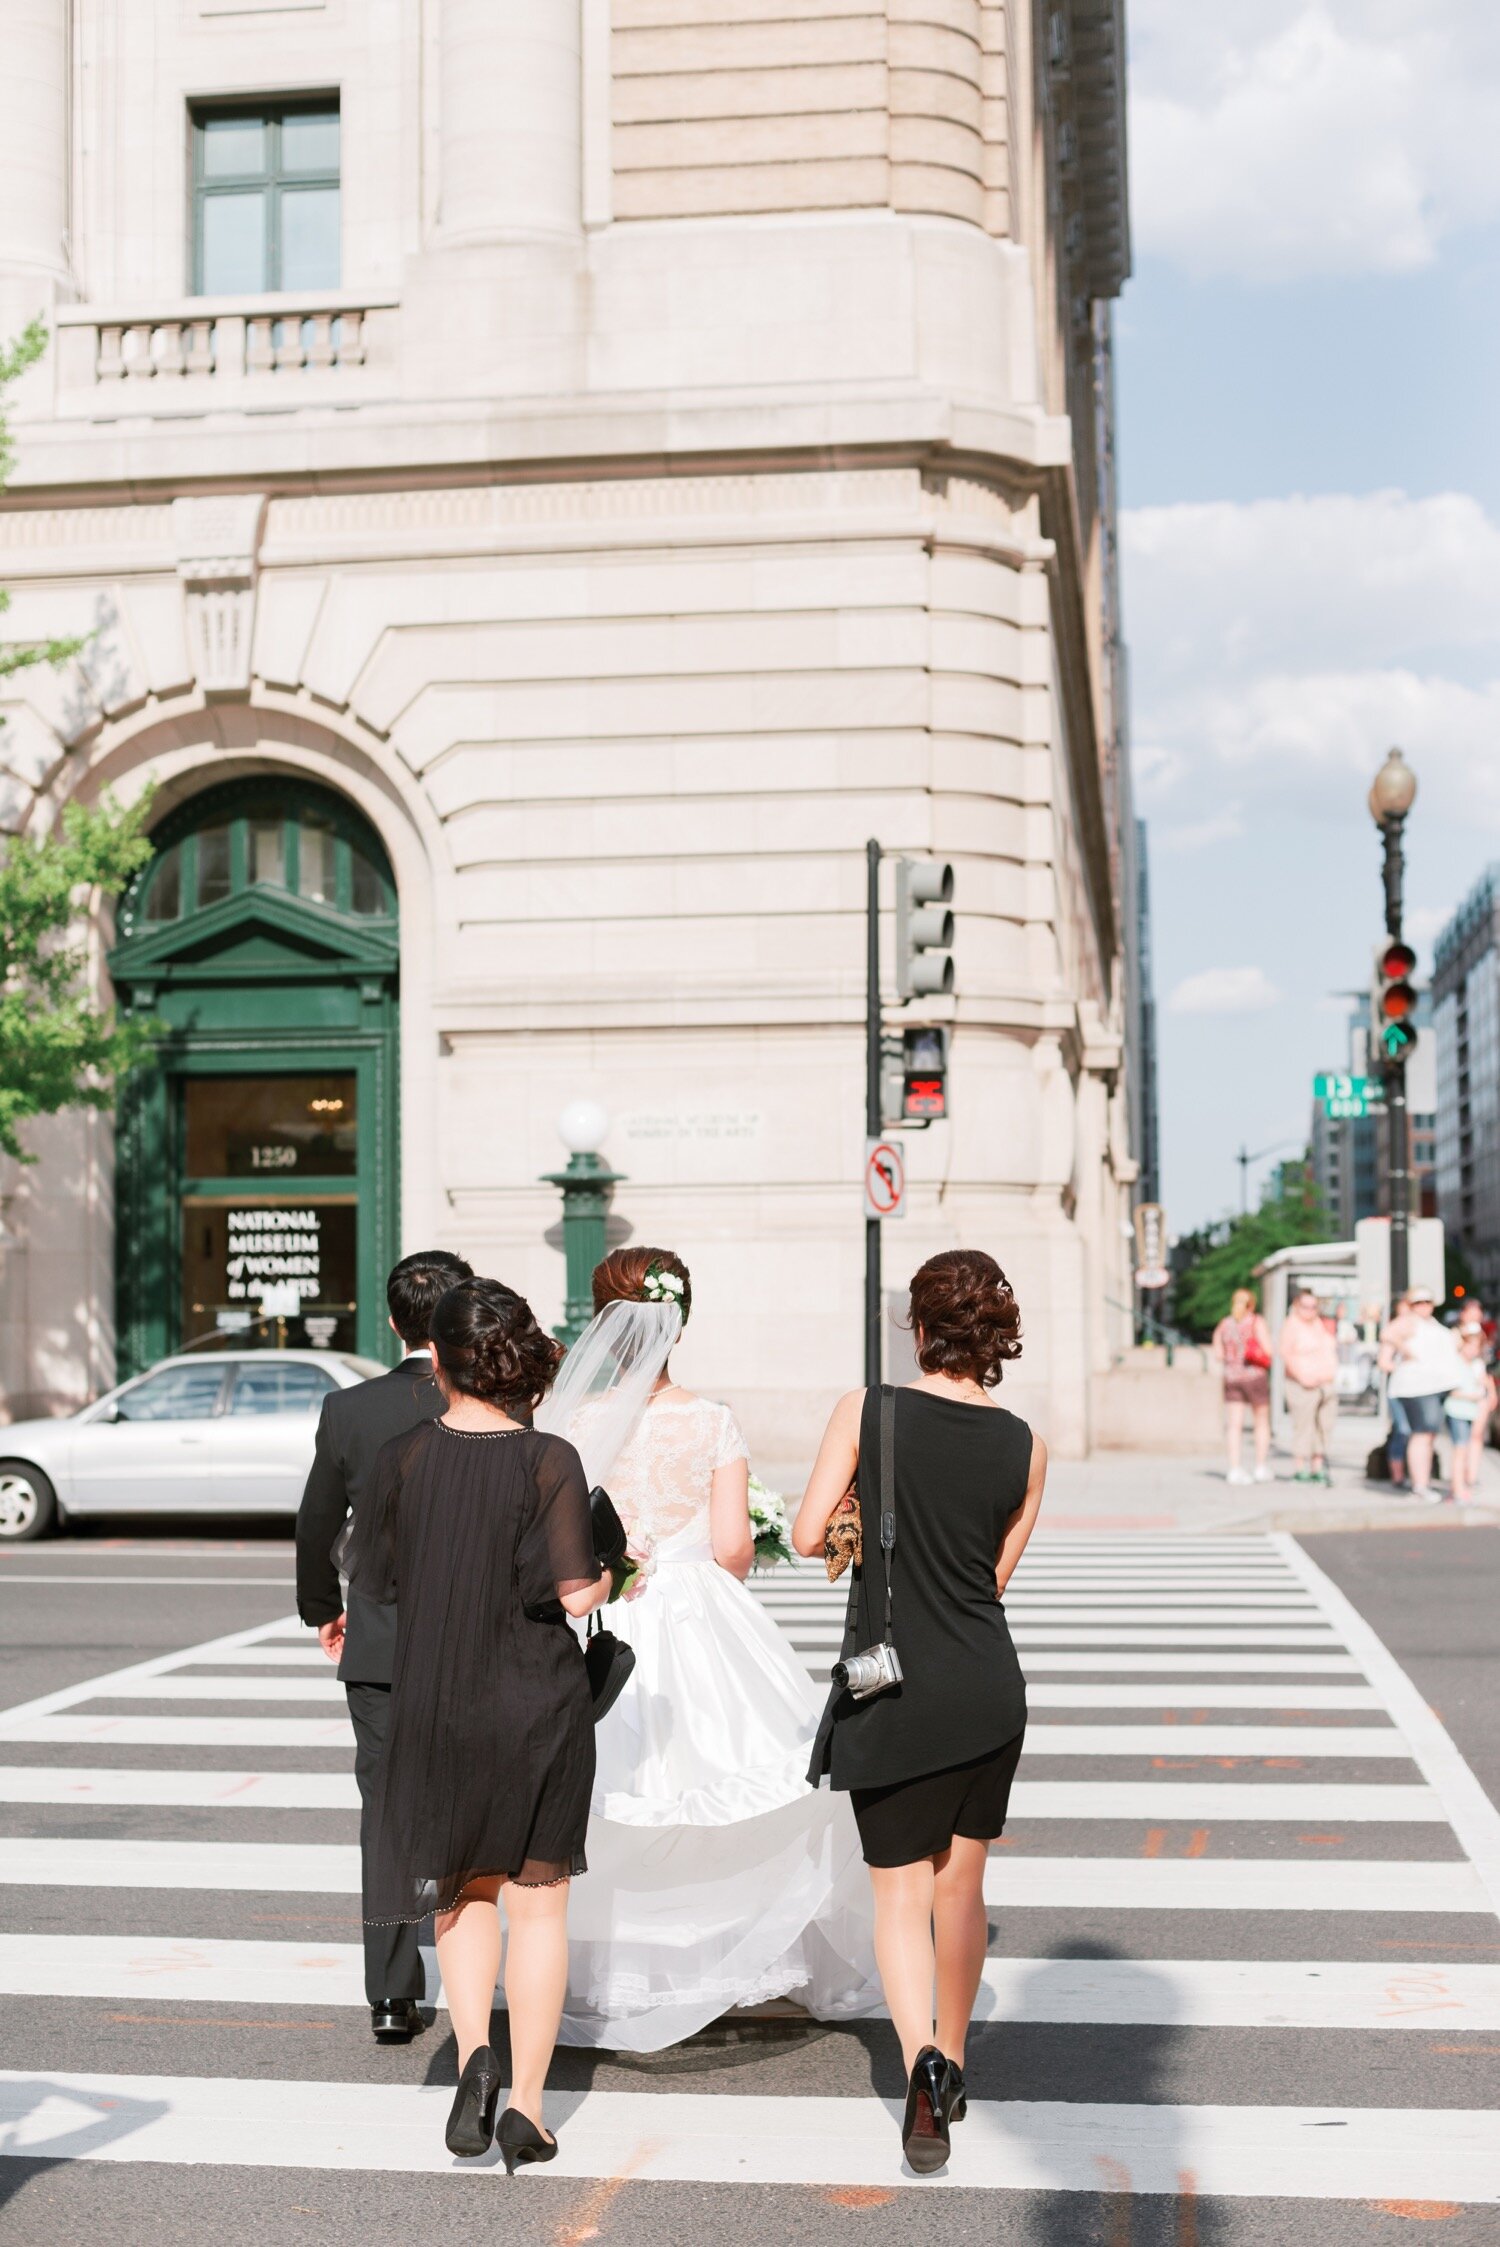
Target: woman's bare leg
904,1949
1234,1417
536,1982
468,1948
1262,1415
962,1938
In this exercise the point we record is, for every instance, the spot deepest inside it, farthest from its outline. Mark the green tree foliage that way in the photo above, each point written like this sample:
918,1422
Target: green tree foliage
1212,1263
15,358
58,1049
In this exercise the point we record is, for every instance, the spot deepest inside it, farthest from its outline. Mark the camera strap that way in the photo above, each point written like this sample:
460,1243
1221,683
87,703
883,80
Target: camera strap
887,1493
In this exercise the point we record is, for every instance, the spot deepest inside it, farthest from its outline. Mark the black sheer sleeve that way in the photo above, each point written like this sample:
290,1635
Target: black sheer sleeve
369,1555
556,1552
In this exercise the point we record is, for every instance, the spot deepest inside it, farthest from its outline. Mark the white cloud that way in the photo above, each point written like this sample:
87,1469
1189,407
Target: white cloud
1280,138
1282,646
1224,990
1278,581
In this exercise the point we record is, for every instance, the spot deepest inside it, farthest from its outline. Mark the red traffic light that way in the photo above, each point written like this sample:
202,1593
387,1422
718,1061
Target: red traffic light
1397,962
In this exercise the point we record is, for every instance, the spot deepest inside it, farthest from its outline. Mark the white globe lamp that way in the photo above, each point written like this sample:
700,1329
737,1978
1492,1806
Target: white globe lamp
582,1126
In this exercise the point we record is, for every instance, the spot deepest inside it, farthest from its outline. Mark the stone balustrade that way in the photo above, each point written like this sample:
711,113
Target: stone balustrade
203,352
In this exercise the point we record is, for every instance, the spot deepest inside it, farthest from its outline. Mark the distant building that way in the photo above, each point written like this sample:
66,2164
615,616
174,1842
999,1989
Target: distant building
1466,991
1145,1124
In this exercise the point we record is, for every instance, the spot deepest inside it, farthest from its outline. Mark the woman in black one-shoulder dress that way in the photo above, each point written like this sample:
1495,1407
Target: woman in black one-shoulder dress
928,1763
485,1541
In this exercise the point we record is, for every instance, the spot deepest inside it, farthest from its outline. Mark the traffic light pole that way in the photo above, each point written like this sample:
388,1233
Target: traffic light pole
1398,1143
874,1123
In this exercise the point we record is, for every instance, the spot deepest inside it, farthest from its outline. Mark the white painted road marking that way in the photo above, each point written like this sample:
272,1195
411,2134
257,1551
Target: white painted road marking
1253,2152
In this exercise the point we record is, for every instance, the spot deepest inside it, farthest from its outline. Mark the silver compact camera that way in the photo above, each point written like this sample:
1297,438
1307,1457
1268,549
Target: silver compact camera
870,1672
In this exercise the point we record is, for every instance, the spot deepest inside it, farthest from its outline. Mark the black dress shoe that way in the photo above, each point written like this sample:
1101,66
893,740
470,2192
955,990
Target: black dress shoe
521,2140
396,2020
471,2121
924,2130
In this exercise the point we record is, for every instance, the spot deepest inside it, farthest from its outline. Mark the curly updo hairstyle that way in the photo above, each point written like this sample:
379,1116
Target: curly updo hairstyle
964,1317
486,1339
621,1278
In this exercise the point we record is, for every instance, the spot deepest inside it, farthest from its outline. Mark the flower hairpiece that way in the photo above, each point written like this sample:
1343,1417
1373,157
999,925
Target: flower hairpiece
660,1286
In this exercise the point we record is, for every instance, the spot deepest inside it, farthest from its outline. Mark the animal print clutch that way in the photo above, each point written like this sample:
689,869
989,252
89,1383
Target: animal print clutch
843,1539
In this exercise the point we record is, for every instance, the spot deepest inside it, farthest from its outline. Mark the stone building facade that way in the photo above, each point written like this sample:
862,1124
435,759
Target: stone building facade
575,468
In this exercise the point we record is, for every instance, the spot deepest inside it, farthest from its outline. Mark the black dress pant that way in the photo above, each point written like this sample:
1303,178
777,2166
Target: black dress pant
393,1960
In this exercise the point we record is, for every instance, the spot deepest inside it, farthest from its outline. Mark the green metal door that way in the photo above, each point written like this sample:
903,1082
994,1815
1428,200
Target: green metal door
257,1155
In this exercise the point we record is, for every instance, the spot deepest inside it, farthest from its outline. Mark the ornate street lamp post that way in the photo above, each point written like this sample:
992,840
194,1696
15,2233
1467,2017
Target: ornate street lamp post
586,1186
1392,795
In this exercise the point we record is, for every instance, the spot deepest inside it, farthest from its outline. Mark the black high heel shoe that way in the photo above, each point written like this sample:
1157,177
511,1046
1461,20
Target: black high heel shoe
958,2094
521,2140
924,2130
471,2119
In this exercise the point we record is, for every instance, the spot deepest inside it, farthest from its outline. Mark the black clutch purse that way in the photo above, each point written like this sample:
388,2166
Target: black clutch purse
610,1537
608,1659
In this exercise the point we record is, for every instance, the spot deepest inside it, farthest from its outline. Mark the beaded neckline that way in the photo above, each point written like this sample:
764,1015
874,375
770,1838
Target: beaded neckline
480,1435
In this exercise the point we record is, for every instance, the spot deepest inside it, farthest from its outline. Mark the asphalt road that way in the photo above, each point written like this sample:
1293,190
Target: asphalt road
1338,1999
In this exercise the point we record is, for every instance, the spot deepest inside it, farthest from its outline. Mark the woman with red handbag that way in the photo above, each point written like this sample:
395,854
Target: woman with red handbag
1242,1345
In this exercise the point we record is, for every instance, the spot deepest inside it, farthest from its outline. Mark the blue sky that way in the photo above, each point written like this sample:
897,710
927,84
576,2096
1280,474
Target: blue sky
1311,481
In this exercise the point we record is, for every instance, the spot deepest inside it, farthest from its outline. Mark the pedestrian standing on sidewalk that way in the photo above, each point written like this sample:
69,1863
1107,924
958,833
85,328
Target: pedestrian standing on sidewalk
1392,1335
361,1637
1424,1367
1310,1361
1468,1410
1242,1345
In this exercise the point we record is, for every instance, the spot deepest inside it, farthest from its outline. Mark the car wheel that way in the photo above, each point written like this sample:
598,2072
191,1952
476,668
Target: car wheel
28,1502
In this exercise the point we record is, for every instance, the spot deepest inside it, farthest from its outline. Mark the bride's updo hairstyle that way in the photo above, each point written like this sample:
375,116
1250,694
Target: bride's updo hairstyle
633,1275
965,1319
489,1345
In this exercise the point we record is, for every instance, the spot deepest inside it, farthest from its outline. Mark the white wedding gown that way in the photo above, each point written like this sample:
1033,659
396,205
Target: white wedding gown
716,1876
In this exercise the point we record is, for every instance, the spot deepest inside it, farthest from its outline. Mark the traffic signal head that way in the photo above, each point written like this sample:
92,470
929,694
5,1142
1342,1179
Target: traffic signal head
1395,1003
924,1075
924,928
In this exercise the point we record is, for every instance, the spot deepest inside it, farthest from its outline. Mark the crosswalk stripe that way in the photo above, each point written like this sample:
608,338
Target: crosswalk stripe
180,1688
1015,1882
1295,1740
154,1788
1304,1665
1232,1884
274,1657
1196,1693
1188,1993
1079,1634
1254,2152
1264,1802
180,1731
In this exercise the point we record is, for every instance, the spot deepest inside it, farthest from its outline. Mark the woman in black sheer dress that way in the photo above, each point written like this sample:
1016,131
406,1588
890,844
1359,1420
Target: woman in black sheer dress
485,1543
929,1762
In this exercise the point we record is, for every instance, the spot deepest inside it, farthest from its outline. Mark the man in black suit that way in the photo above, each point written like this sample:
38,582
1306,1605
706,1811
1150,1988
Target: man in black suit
353,1426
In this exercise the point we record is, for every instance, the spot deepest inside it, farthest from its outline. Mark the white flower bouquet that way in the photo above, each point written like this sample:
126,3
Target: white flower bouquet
768,1520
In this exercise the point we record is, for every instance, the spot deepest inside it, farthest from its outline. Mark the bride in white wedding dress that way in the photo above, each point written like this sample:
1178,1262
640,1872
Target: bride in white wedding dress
717,1877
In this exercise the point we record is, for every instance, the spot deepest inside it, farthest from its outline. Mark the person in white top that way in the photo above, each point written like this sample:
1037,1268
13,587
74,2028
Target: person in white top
1423,1360
1468,1407
717,1877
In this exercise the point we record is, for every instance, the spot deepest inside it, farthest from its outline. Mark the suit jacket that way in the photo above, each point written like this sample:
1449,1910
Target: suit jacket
352,1426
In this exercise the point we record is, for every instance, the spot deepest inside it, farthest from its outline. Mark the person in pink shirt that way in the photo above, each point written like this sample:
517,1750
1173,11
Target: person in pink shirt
1310,1361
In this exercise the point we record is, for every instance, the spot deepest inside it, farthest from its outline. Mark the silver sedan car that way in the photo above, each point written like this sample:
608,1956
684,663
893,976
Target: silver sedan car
230,1433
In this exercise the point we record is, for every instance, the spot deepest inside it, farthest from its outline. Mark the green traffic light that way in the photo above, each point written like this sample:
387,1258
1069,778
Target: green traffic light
1397,1040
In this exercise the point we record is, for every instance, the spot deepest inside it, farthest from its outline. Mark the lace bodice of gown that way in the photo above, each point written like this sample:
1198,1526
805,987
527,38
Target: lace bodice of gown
663,1478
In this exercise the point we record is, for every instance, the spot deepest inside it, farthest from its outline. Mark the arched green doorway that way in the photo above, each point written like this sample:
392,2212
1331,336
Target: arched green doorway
256,1161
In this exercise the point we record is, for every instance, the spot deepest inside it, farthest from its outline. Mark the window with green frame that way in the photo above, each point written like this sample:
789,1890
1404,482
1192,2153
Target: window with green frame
265,197
297,840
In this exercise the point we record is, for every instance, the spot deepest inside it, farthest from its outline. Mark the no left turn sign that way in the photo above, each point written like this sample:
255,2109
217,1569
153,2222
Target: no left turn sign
885,1179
